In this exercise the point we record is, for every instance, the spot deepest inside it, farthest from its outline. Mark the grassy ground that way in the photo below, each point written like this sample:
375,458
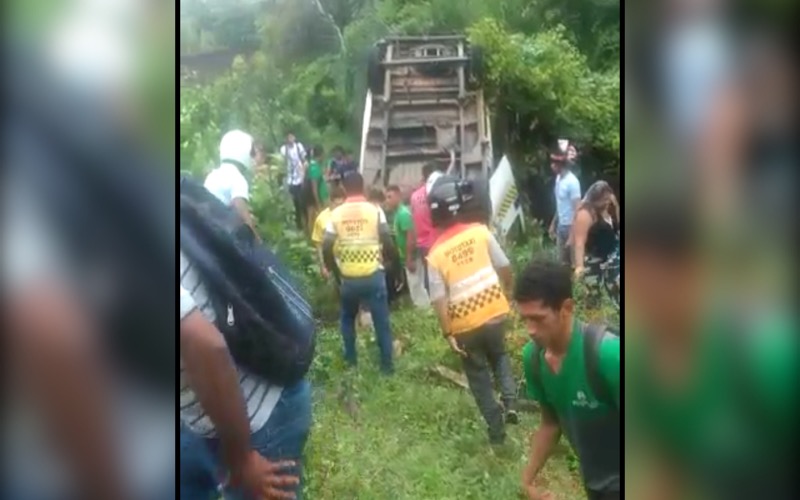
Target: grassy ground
413,436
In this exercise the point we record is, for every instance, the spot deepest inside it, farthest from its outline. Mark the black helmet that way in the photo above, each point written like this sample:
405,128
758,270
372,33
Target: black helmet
447,199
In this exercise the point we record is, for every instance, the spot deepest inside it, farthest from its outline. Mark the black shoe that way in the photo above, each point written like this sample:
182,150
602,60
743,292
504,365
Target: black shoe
512,417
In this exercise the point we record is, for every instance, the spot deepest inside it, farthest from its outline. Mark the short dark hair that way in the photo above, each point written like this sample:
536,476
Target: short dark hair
376,195
353,183
544,280
317,151
429,168
337,193
337,149
393,188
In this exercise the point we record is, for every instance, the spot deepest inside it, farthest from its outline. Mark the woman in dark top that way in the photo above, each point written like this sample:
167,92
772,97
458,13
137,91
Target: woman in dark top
595,240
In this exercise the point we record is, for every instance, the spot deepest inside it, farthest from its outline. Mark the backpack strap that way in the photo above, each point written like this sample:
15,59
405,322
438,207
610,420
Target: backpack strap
593,335
536,372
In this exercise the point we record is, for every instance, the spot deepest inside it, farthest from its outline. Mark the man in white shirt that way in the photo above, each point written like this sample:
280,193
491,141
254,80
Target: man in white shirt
228,182
568,196
295,155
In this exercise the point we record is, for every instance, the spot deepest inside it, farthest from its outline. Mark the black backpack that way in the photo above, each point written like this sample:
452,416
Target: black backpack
593,335
268,324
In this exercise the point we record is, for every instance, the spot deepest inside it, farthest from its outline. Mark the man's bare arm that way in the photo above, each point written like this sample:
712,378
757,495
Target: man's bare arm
243,209
214,379
543,442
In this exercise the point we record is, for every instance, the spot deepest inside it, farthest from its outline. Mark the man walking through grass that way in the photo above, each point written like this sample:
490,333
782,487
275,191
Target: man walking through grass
355,238
468,274
572,370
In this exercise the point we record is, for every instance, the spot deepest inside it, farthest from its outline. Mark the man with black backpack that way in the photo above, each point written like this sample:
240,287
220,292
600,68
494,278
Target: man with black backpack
237,428
239,302
573,371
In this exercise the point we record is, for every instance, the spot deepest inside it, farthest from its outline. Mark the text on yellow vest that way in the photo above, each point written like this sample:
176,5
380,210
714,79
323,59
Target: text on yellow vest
474,293
358,246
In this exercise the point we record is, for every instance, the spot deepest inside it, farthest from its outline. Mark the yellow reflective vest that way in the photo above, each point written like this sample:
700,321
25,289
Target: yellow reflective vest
358,246
474,292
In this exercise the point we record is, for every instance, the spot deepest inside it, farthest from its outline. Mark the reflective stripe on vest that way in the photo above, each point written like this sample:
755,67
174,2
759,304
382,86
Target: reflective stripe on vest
475,295
358,247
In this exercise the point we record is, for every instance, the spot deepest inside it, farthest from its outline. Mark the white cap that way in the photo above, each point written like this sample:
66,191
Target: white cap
237,146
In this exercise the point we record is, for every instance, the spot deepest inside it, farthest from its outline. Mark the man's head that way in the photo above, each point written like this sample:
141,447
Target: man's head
558,163
317,152
664,272
337,196
393,197
543,293
353,184
290,138
237,147
376,196
338,152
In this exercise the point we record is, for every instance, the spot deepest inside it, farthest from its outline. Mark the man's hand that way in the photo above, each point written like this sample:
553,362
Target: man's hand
579,272
411,265
552,233
534,493
261,479
326,275
455,347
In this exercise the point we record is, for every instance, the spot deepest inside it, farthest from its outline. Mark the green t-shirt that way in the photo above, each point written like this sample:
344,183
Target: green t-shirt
592,427
733,417
402,224
316,175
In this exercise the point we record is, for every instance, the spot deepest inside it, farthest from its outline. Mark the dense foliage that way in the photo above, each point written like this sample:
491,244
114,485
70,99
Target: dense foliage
553,69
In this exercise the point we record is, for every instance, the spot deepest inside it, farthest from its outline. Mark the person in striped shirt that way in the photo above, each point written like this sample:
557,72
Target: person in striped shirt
238,430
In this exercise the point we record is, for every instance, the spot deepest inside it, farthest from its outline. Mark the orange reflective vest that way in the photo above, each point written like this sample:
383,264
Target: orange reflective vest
474,293
358,246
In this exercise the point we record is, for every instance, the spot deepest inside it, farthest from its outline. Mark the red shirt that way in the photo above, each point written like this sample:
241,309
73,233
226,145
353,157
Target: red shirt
423,224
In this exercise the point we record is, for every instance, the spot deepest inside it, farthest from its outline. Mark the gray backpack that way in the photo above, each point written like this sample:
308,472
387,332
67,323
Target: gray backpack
593,335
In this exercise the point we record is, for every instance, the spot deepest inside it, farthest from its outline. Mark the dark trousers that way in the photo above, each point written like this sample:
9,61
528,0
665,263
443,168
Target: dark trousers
370,291
486,355
423,253
299,202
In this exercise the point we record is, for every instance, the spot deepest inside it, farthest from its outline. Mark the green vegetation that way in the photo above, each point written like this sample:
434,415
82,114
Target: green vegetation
415,436
552,71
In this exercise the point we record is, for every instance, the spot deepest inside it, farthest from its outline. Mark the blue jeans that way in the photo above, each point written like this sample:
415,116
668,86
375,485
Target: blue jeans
371,291
564,250
282,438
423,256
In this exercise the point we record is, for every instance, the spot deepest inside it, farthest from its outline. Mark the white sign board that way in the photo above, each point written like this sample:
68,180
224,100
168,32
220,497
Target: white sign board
506,206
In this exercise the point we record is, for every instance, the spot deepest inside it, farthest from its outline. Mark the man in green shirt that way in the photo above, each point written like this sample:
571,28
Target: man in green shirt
712,388
319,186
406,240
573,371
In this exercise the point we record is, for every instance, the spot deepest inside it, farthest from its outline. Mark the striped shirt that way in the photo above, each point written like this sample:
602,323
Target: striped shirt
260,396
